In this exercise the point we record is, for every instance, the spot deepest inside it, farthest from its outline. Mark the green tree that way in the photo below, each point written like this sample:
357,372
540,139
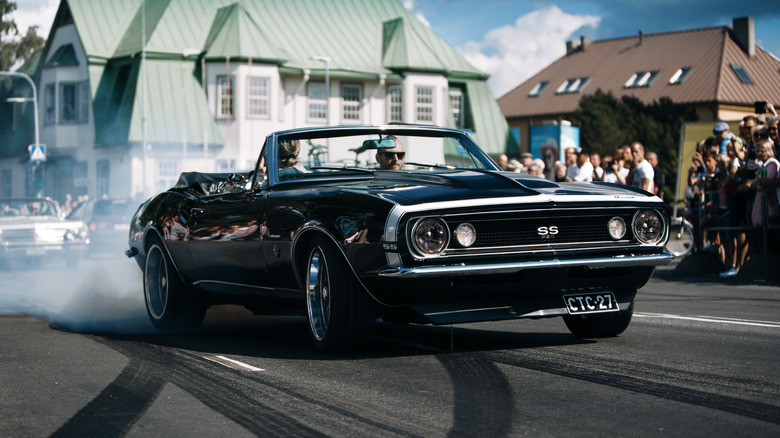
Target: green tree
14,48
607,123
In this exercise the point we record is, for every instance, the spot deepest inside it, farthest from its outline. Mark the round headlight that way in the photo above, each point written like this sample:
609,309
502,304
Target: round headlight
430,236
617,228
648,227
466,235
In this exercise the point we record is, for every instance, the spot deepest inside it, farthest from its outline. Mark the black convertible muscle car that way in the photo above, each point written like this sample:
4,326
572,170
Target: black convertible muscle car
404,223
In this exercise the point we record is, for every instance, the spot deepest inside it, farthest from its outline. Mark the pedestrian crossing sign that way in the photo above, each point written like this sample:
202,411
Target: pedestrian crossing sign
37,152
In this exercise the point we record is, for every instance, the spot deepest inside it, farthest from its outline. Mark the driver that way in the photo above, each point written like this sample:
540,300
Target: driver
391,159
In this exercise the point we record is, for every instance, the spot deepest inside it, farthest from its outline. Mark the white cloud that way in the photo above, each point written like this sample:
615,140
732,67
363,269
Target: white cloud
35,12
512,54
409,4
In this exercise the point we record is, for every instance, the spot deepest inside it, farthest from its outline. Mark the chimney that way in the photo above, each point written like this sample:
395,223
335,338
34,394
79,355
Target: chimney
570,46
585,42
745,34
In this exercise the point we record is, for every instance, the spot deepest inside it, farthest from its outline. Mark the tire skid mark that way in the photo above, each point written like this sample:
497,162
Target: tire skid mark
239,397
483,397
746,408
114,411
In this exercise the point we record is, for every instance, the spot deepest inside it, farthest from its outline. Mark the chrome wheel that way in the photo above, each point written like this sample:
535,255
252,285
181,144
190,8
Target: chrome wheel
318,294
156,283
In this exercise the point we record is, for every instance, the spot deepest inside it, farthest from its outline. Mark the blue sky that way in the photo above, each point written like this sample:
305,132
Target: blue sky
513,39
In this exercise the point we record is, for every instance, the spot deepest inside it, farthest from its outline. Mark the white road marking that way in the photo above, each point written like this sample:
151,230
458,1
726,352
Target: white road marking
714,319
232,363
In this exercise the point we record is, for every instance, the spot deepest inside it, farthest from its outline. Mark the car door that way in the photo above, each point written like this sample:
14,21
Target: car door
225,241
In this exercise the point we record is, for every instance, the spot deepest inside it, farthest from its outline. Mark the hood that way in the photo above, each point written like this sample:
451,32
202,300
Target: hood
408,188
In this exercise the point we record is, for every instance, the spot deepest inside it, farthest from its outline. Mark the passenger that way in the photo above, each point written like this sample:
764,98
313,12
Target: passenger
288,158
391,159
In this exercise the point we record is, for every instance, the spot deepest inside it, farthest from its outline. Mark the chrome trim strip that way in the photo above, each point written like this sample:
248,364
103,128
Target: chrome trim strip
506,268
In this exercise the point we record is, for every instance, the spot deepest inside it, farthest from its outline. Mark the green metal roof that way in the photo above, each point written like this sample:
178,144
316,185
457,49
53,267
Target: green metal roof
362,39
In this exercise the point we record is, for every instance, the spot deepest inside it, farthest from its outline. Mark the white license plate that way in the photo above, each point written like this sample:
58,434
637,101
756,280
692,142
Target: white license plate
591,303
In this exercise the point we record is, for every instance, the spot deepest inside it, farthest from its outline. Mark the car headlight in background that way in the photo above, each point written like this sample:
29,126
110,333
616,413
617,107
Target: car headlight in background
617,228
649,227
430,236
465,235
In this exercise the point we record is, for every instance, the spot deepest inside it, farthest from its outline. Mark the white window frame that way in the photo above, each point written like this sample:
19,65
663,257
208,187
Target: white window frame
50,104
351,102
642,79
167,174
225,97
395,103
573,85
258,97
424,111
680,75
102,177
317,108
538,88
79,102
456,106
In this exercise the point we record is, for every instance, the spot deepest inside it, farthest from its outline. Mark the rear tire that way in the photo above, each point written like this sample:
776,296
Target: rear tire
170,306
340,312
599,325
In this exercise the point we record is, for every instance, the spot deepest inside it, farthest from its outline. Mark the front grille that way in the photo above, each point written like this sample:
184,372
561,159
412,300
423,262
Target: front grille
522,231
27,235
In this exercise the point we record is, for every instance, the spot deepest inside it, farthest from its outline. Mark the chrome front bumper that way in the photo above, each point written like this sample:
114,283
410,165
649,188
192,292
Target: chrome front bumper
508,268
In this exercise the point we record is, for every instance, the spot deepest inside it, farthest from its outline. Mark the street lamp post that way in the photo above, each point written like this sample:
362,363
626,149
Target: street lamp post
34,98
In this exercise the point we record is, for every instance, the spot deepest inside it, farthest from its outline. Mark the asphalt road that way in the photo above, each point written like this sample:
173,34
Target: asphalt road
79,358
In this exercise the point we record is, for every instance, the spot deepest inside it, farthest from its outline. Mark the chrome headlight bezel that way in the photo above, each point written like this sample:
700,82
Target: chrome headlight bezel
617,228
649,227
430,236
465,234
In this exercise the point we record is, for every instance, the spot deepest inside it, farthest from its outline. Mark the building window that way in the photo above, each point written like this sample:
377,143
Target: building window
103,177
167,174
680,75
424,105
74,101
17,113
80,181
6,183
573,85
50,105
318,101
395,103
224,97
742,74
641,79
258,97
456,106
352,97
538,88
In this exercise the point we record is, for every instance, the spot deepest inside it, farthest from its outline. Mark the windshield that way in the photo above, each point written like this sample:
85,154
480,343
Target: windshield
322,153
27,207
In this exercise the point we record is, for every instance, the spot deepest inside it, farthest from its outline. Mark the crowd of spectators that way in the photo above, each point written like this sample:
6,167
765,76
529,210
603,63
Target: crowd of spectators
733,184
629,165
732,190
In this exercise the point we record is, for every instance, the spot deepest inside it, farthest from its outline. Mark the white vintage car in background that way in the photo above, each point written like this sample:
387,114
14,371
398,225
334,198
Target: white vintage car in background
33,230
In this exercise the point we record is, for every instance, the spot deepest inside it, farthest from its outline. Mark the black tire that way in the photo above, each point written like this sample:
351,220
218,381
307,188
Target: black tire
170,306
599,325
340,312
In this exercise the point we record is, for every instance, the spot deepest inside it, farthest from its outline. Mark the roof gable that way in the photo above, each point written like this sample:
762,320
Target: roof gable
235,34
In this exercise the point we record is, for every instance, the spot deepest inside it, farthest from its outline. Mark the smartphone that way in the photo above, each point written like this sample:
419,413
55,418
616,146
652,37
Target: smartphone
760,107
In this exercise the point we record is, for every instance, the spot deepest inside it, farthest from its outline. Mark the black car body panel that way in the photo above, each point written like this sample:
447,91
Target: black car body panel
536,240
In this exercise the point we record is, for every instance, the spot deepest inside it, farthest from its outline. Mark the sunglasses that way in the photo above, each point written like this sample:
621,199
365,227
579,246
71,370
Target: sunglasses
398,155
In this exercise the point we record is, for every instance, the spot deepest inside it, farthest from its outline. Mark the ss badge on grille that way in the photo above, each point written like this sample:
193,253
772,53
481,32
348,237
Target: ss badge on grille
547,232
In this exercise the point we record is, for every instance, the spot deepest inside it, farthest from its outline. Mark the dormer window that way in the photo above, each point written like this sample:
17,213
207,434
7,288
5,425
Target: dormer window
680,75
538,88
641,79
742,74
573,85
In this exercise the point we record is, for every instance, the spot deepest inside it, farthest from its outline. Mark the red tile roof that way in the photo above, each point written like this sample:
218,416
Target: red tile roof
610,63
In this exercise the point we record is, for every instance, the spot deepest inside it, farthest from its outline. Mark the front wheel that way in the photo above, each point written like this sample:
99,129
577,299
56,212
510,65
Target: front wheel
170,306
340,313
599,325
